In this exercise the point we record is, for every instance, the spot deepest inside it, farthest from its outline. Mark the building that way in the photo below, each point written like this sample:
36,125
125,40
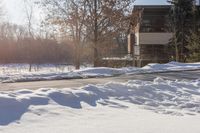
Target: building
149,35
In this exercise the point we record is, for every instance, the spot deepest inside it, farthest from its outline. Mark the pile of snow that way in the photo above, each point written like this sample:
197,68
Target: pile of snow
54,73
126,58
172,66
160,96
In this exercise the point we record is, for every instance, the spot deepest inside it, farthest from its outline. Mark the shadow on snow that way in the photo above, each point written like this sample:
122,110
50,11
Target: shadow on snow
160,96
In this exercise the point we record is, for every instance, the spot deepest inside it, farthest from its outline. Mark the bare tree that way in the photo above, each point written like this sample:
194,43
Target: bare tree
91,21
70,16
105,20
28,6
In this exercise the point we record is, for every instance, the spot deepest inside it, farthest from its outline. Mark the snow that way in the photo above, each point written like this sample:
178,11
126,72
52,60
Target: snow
19,73
172,66
125,58
135,106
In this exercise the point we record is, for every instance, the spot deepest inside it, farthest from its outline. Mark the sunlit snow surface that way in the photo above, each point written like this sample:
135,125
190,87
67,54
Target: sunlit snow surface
19,72
160,106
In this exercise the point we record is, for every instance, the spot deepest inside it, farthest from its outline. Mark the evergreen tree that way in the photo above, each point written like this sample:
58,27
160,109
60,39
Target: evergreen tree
194,47
181,17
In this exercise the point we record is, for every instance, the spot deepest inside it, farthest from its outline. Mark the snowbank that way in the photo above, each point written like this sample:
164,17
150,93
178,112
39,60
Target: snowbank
172,66
160,96
53,73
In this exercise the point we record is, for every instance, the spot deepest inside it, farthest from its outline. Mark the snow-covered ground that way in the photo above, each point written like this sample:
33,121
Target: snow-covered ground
160,106
14,73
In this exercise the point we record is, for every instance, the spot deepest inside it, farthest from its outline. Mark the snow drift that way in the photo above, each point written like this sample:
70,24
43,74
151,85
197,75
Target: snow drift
159,96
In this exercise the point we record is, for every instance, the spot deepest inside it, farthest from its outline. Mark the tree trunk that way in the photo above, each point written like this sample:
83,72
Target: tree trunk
30,67
96,56
77,40
182,41
177,53
77,57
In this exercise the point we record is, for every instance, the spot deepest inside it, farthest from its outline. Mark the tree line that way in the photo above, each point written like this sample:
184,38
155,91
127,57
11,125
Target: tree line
16,46
99,24
85,30
102,23
185,25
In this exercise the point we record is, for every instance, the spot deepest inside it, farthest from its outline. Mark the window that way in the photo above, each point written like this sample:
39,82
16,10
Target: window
153,23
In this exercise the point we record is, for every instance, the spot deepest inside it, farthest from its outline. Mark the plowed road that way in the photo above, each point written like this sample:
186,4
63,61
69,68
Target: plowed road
186,75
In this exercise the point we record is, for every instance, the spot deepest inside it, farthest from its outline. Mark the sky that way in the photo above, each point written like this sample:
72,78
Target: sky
14,9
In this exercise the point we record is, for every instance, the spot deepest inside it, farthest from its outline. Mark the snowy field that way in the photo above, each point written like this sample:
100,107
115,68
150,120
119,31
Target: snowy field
160,106
19,72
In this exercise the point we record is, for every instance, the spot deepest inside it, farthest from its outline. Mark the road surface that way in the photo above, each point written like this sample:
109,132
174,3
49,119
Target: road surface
184,75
